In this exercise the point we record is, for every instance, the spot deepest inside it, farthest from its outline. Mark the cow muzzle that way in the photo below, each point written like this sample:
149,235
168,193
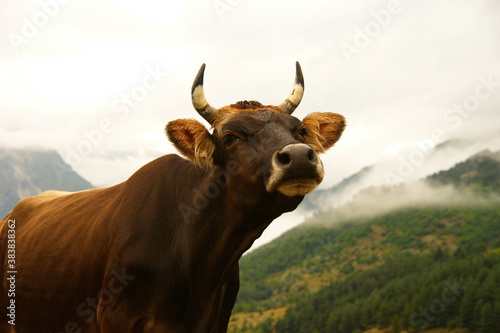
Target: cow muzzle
296,170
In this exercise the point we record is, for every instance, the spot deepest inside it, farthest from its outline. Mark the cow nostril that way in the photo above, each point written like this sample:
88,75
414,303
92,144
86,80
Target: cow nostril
311,156
284,158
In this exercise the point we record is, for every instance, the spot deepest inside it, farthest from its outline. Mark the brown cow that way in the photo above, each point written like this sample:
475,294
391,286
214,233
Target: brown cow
159,252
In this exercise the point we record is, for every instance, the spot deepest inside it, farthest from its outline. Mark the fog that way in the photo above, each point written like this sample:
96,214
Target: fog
377,201
406,164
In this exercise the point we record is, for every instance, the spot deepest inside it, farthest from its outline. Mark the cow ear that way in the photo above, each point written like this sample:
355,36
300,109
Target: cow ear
192,140
324,129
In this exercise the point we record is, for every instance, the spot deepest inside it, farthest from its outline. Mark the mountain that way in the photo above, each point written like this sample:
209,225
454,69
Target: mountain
28,172
384,260
405,167
337,194
481,170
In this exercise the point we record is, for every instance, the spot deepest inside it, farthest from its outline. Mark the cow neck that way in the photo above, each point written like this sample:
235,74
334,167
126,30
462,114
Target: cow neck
223,231
224,227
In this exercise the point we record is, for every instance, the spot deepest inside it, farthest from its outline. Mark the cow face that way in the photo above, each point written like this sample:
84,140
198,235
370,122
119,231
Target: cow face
268,149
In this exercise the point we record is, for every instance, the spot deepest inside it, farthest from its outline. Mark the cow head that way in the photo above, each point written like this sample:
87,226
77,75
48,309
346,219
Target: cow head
268,149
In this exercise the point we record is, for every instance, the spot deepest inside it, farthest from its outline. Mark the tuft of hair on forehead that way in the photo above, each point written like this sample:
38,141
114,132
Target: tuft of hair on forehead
251,106
247,105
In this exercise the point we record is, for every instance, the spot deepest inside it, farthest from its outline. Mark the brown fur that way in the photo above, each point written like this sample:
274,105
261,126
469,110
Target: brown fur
192,140
247,105
324,128
250,106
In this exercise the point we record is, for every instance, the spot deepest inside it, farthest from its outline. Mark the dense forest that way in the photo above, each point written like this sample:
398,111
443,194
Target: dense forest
411,269
414,291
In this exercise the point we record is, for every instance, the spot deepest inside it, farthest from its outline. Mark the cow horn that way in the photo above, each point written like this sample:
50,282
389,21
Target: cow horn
289,105
198,98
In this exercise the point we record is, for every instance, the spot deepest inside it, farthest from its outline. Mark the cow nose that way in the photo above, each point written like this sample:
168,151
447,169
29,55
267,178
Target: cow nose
296,170
297,156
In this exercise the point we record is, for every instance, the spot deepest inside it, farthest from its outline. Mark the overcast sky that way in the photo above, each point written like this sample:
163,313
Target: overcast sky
397,70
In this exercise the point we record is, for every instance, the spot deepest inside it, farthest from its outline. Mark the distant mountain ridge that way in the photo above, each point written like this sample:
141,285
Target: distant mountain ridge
482,169
28,172
337,194
374,175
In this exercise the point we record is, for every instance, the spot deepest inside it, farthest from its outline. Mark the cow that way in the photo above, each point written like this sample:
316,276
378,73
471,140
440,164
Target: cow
159,252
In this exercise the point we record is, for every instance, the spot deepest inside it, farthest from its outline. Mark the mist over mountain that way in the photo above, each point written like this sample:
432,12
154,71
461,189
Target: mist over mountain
407,166
28,172
475,181
338,194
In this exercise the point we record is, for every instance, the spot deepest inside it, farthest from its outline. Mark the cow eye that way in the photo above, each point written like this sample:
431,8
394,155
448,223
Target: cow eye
303,132
229,139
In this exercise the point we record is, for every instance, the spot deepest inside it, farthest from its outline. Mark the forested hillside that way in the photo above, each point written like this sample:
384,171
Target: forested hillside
481,172
431,264
419,285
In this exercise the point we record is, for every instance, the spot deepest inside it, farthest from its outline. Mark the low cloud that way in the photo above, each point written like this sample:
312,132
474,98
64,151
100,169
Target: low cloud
377,201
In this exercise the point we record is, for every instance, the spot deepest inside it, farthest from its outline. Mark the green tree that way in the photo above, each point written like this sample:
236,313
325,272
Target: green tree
467,305
486,319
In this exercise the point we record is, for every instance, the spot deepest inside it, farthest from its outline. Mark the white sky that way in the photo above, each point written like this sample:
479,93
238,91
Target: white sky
67,67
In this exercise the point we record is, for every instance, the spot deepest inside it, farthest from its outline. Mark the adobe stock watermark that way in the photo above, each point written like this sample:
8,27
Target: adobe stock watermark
121,108
91,307
10,282
420,320
224,6
363,36
205,192
454,117
32,26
